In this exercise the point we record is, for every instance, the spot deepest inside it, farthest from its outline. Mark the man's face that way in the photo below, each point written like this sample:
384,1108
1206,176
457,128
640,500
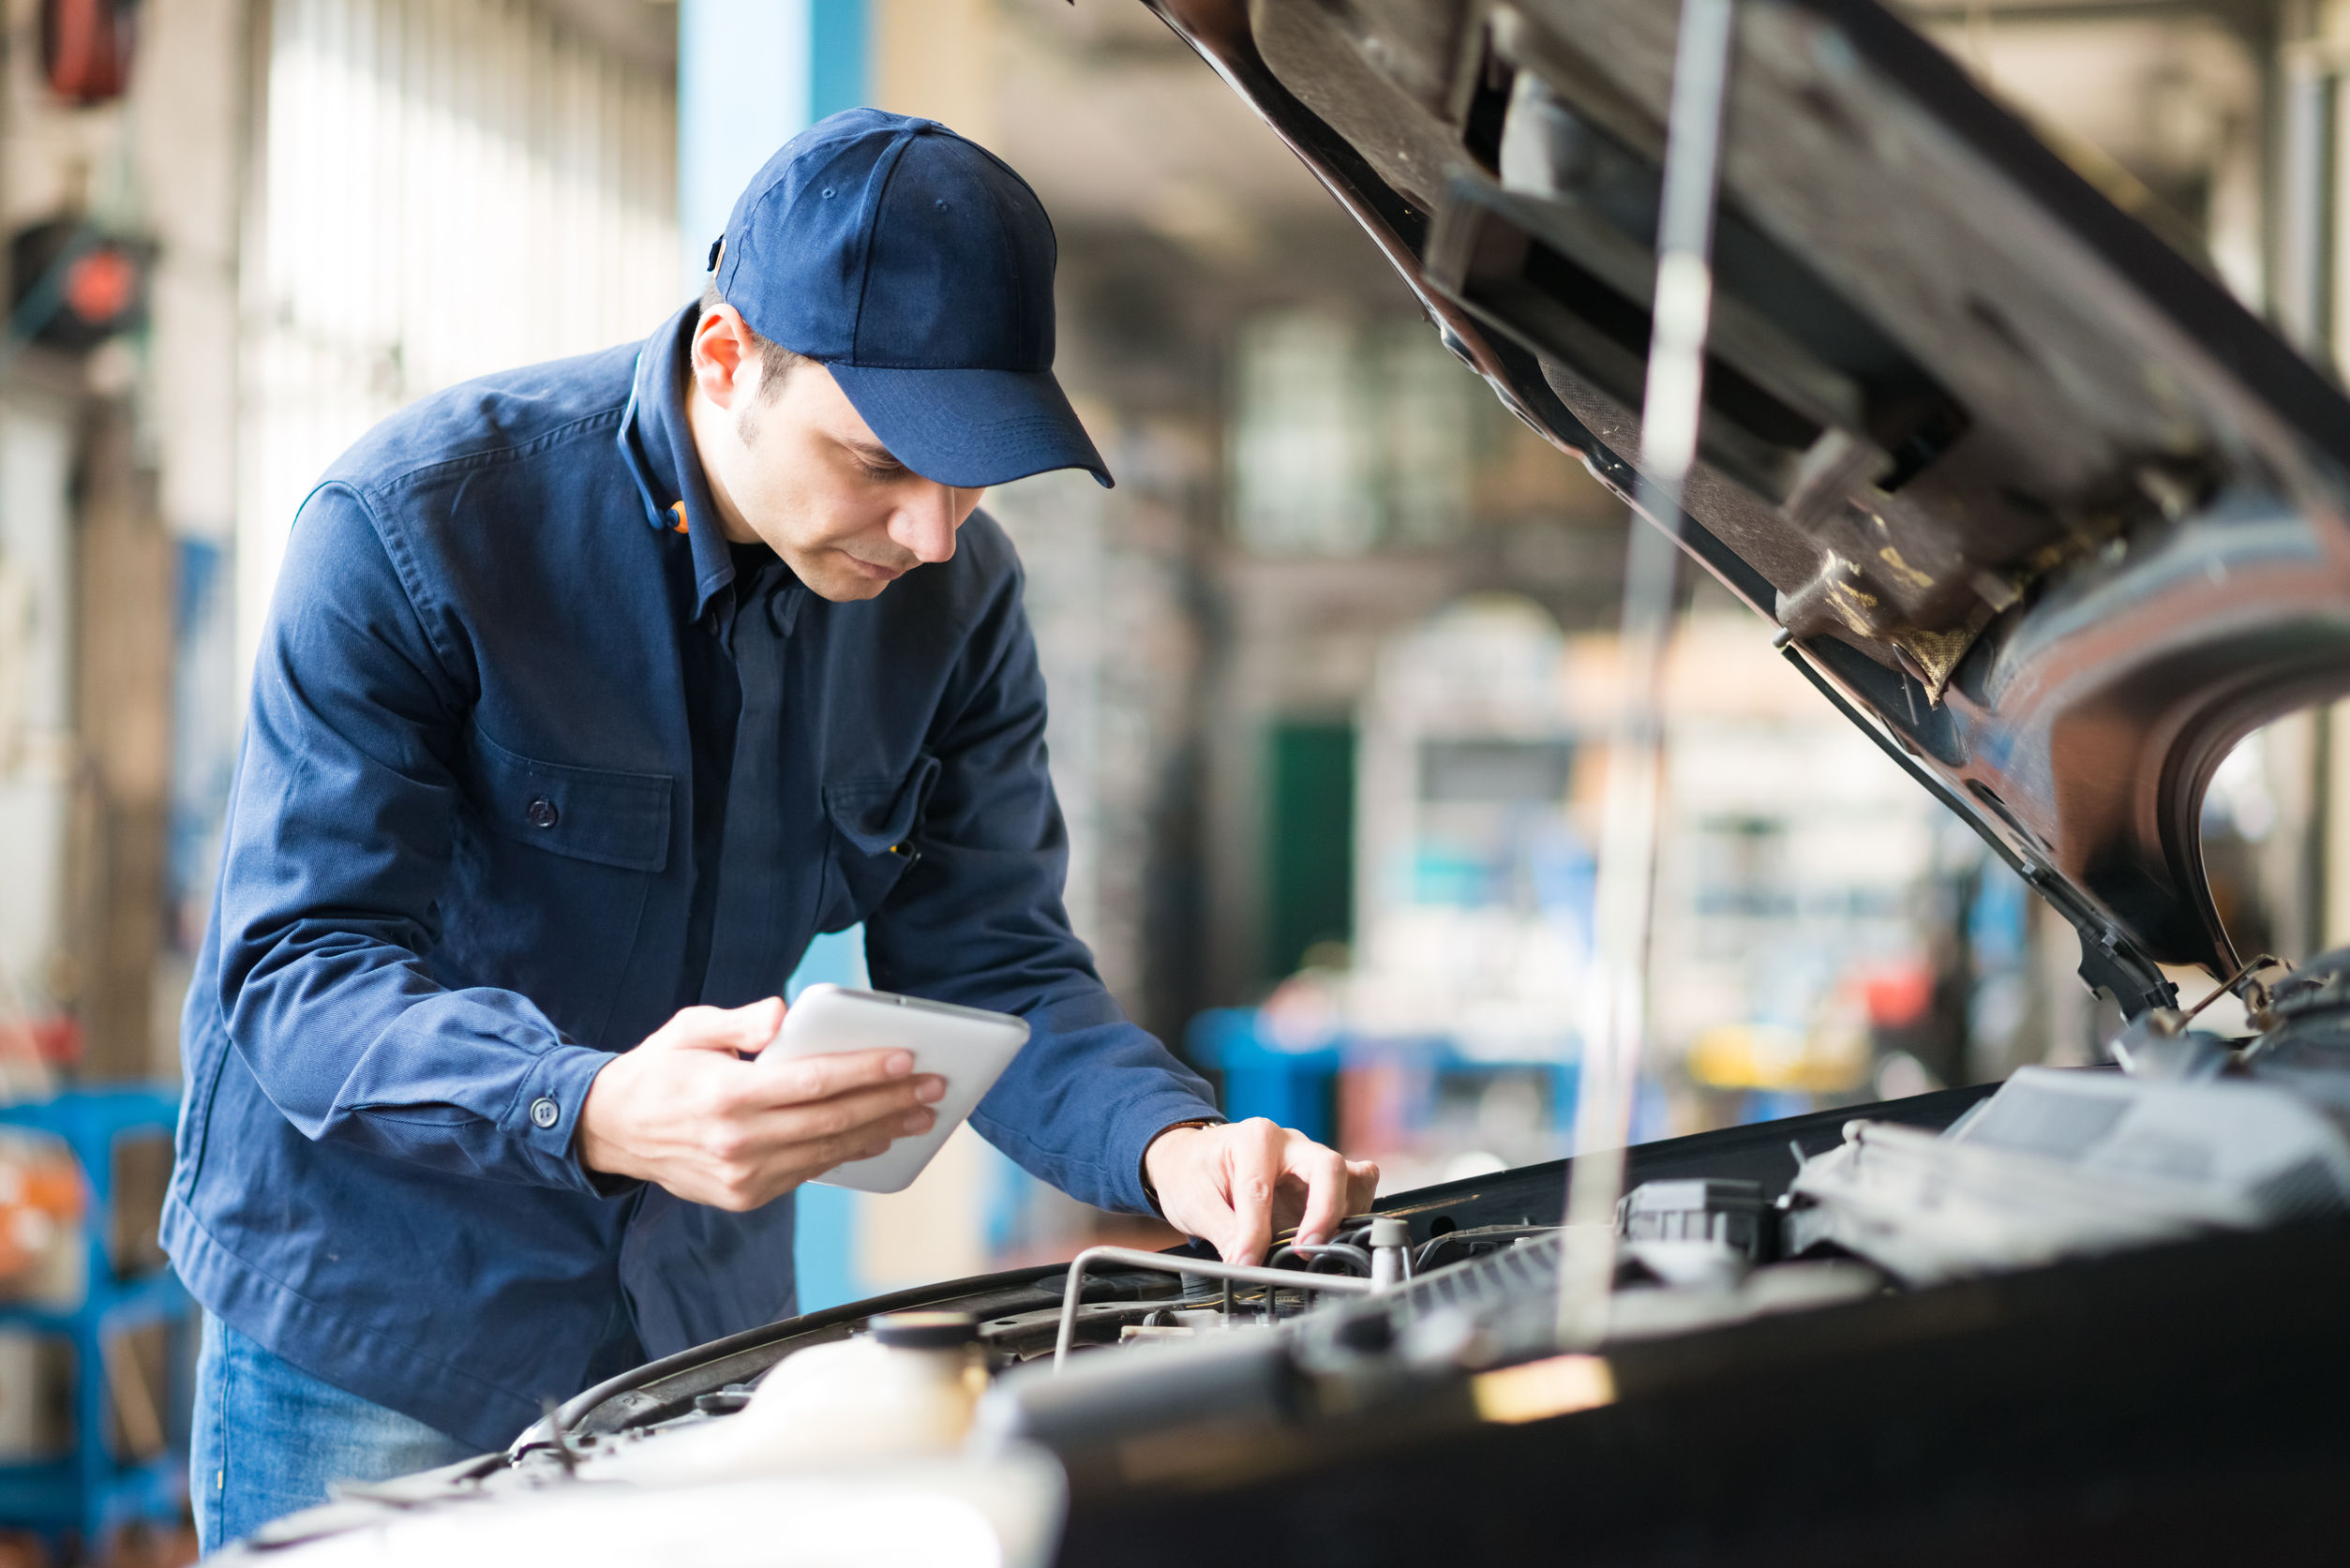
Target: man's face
796,466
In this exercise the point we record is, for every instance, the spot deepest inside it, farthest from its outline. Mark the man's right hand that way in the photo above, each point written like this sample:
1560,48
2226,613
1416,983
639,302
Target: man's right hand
686,1111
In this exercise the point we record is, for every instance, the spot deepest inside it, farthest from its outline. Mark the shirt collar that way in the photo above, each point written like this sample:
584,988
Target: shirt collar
657,443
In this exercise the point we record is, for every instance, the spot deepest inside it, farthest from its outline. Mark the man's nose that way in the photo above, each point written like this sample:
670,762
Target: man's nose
925,523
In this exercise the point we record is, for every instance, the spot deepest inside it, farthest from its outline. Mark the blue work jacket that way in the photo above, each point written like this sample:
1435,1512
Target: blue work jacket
460,868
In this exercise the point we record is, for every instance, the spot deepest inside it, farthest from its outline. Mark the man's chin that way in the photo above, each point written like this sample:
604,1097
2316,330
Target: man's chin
841,580
841,589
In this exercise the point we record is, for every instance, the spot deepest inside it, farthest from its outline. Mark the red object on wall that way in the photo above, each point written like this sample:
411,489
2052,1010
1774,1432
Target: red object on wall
101,285
1897,993
58,1038
86,47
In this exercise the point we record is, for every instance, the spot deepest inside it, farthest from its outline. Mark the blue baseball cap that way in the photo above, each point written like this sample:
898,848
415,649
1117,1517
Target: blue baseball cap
918,268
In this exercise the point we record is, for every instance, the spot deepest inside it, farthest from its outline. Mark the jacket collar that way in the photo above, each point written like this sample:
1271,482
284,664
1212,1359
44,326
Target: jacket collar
657,445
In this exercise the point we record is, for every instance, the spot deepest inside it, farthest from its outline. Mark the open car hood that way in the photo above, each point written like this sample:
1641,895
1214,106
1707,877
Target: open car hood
2035,502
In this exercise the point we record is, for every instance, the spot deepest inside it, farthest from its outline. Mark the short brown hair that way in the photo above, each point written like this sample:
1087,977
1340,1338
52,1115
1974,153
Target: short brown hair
775,360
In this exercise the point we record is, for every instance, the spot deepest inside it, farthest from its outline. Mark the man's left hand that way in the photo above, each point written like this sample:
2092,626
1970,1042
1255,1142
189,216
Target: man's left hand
1237,1185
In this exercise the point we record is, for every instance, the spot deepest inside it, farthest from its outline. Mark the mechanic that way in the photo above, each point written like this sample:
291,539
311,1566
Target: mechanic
588,693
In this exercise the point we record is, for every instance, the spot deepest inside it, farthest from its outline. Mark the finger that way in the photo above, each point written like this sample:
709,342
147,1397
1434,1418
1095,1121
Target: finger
1325,1174
1362,1185
1253,1163
809,1161
767,1027
889,1109
803,1162
804,1079
1207,1216
734,1030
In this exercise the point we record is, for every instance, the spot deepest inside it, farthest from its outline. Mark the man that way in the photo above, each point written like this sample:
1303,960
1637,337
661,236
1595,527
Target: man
590,693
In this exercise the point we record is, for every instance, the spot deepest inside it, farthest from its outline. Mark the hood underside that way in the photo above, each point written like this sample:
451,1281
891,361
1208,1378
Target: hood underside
2035,502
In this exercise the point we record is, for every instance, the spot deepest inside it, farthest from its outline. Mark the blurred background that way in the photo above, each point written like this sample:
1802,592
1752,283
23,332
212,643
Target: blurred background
1330,668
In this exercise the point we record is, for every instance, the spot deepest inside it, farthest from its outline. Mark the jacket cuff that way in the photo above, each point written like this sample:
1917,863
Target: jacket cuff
545,1118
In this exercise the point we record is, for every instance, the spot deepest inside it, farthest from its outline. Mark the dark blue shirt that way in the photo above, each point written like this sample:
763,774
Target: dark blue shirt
470,854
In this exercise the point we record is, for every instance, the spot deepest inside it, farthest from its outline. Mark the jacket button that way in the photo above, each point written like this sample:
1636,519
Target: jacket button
545,1110
541,812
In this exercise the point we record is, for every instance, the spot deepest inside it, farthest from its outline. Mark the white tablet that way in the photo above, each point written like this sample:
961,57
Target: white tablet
968,1048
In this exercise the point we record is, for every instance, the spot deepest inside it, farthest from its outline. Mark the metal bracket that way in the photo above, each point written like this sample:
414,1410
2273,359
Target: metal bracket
1073,1291
2112,966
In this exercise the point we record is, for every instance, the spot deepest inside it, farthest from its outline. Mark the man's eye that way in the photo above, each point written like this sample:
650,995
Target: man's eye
882,471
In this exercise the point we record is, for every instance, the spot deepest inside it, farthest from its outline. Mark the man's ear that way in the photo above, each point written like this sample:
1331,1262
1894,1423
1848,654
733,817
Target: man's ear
726,357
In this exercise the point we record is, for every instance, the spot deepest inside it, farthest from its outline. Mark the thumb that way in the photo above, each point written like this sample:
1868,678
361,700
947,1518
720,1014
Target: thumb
745,1030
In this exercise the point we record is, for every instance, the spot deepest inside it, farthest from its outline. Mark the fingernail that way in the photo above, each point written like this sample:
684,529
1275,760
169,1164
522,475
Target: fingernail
899,1065
916,1121
930,1089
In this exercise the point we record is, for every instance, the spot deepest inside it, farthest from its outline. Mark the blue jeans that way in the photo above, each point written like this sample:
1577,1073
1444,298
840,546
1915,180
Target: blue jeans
270,1437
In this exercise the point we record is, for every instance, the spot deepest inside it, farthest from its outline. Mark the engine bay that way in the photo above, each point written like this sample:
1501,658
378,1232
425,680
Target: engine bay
1436,1316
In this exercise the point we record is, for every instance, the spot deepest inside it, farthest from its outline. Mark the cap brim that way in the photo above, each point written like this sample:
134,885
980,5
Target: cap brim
971,427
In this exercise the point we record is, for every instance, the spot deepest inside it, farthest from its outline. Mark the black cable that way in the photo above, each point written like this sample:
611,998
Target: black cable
1312,1256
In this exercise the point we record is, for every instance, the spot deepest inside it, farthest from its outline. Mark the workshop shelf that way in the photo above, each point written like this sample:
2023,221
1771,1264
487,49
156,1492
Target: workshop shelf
93,1491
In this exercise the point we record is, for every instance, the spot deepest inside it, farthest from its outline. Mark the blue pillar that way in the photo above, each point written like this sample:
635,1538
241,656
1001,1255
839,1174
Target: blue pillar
839,74
751,75
824,1255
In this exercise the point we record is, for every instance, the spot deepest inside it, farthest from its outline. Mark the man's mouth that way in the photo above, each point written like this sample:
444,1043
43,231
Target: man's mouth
877,573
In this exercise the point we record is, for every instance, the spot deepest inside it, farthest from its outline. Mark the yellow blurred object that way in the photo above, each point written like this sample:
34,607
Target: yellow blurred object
1538,1390
1832,1056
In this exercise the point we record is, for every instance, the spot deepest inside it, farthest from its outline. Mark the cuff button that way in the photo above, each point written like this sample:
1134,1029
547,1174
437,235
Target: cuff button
545,1111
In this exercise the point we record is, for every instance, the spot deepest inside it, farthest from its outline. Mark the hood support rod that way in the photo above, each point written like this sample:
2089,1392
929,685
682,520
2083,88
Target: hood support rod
1616,1007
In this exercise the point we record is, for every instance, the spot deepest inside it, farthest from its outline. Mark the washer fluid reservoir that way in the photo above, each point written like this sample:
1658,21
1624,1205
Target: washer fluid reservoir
906,1388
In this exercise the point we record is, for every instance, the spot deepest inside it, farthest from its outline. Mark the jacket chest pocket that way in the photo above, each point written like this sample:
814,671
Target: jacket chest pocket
597,814
548,888
876,827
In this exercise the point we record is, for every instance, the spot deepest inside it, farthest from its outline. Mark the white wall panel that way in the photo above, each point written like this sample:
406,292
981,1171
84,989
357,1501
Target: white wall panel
36,751
442,189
